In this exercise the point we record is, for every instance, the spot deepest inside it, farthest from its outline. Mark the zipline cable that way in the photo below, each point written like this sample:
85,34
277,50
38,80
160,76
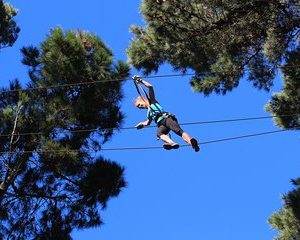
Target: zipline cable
238,119
89,82
146,148
110,80
129,128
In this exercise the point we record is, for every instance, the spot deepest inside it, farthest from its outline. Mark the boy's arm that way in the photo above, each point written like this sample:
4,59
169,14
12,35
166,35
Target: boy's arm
143,124
149,86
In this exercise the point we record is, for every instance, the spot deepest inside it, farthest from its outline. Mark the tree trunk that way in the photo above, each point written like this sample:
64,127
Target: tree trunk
11,173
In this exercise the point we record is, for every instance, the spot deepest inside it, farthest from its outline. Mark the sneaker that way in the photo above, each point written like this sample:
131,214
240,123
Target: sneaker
195,145
168,146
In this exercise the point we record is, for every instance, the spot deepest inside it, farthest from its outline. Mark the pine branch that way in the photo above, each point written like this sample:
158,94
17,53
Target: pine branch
32,195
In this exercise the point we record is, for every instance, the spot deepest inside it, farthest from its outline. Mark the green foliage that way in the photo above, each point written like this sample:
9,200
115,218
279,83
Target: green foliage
222,42
292,199
287,220
57,182
8,28
288,100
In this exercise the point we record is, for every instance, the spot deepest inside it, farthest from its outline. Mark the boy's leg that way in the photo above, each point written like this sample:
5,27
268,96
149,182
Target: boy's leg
186,138
175,127
166,139
162,132
169,143
191,141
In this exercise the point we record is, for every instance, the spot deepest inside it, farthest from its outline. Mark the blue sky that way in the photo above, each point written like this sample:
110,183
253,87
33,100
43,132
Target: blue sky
225,192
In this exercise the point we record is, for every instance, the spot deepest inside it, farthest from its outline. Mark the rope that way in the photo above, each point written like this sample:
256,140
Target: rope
112,80
89,82
130,128
149,147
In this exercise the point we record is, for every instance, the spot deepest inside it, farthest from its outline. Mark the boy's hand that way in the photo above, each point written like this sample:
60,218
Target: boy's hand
136,78
139,126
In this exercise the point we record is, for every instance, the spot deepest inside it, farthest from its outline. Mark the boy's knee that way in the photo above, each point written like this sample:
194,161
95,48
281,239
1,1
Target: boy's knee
179,132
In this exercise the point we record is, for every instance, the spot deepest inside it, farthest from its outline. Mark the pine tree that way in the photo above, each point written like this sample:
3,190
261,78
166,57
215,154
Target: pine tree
223,42
8,28
286,224
55,181
287,102
287,219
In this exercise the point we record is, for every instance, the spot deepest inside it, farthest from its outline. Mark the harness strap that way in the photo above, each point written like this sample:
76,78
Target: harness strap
160,113
138,88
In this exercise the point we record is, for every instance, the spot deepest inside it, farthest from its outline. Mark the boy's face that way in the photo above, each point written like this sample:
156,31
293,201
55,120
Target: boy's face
140,104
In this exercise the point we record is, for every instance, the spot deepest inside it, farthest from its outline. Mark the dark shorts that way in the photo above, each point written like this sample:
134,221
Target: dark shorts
168,124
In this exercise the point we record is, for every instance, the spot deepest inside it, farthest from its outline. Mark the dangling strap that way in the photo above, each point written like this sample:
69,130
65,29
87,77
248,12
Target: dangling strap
138,88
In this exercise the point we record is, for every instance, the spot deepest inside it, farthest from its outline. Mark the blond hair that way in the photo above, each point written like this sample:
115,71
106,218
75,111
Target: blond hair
139,99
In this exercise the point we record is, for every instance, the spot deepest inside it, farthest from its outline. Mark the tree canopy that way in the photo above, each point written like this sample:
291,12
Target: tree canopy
54,180
287,219
8,28
224,42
